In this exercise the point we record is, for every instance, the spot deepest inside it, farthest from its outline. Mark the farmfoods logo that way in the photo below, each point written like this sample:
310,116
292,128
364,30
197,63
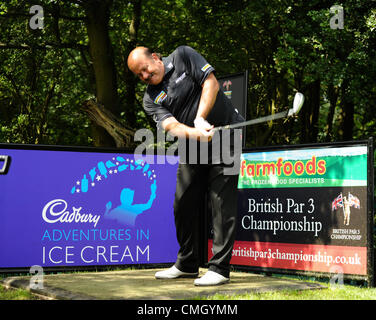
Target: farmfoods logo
283,168
322,167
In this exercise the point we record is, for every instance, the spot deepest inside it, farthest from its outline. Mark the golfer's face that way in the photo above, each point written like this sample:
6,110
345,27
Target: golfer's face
149,70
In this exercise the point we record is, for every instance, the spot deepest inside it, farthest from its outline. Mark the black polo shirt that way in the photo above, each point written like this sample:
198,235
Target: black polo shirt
179,92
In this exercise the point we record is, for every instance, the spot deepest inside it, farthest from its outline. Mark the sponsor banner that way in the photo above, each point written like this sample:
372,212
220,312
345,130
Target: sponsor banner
304,208
322,167
302,257
70,208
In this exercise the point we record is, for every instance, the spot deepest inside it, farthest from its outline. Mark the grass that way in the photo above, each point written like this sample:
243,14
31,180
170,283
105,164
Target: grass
330,292
343,292
337,292
15,294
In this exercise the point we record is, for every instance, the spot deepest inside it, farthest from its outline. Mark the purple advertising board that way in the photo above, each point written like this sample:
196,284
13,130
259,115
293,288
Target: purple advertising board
66,208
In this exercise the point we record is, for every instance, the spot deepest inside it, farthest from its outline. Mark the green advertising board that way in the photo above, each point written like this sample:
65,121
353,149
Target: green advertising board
326,167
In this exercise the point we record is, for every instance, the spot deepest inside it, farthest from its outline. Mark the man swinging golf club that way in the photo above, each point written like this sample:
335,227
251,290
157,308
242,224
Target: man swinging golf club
184,98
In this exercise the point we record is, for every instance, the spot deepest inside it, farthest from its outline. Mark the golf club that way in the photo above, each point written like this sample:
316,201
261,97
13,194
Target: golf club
297,105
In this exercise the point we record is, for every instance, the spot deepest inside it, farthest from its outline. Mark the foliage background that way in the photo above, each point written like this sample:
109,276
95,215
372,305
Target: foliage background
287,46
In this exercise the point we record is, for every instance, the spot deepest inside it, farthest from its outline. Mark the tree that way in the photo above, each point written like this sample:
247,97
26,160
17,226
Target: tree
68,83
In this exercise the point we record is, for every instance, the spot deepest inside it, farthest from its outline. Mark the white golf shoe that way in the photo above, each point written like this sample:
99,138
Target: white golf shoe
173,273
211,278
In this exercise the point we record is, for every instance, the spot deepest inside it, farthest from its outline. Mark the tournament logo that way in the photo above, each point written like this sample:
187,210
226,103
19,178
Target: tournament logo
227,84
346,203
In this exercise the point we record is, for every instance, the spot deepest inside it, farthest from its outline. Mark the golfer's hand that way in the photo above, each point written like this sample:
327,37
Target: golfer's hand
202,135
204,128
201,124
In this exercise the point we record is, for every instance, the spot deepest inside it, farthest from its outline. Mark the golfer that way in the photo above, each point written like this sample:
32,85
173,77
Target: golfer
184,98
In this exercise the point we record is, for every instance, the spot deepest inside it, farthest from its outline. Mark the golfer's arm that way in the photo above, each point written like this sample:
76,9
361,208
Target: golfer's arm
210,89
180,130
176,128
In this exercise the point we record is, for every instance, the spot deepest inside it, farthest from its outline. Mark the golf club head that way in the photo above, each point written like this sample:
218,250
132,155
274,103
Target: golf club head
298,102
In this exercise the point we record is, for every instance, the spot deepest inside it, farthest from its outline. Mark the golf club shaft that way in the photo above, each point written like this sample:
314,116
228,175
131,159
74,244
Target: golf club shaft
275,116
